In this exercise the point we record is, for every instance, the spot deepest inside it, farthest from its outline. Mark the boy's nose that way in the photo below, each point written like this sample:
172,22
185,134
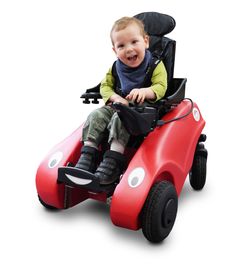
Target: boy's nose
129,48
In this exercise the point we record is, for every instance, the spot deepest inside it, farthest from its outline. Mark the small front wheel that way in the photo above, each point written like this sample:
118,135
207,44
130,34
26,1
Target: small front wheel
159,211
197,175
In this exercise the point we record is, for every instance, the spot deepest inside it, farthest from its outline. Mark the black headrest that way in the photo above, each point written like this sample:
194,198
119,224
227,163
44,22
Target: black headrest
156,24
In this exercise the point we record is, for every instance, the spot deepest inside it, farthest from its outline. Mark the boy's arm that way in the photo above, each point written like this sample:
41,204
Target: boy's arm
156,91
159,81
107,92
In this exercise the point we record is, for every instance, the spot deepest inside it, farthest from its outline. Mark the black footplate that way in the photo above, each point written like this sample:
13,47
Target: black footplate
75,177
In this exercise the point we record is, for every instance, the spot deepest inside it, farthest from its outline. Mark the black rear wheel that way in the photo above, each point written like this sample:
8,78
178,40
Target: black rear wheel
159,211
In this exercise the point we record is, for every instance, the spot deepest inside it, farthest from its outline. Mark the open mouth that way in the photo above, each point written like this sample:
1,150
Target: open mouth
132,58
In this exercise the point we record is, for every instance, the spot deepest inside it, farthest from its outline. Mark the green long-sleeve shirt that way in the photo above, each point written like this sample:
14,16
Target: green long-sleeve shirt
159,83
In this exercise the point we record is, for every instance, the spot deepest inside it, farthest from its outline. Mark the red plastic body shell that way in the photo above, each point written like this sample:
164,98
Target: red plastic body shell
166,154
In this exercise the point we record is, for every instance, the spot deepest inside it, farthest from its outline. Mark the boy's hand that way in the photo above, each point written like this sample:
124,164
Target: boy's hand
137,95
140,95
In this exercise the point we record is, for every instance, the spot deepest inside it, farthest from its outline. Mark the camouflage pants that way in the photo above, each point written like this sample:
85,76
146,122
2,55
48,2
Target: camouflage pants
101,120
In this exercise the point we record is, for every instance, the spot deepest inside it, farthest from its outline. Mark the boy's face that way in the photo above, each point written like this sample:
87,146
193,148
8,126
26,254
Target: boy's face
129,45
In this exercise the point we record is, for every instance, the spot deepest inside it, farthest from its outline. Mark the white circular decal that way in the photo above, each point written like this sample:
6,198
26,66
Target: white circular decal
196,114
55,159
136,177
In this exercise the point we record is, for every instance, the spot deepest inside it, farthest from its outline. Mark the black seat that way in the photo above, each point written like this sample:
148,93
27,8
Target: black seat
141,120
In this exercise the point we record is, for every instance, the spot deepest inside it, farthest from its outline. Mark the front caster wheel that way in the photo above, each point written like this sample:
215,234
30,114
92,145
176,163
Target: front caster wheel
197,174
159,211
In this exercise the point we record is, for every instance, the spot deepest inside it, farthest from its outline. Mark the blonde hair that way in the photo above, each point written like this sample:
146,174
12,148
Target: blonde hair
123,22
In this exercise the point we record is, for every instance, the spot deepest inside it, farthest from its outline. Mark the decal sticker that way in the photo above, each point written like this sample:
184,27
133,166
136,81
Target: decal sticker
78,181
55,159
136,177
196,114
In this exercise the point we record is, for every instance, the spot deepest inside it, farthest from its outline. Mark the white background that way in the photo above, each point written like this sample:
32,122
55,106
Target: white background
47,49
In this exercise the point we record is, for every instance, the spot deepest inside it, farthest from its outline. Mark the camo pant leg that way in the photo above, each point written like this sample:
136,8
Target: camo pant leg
117,131
101,119
96,124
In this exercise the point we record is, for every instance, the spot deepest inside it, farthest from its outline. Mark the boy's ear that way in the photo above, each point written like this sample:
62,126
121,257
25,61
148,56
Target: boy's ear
114,50
146,39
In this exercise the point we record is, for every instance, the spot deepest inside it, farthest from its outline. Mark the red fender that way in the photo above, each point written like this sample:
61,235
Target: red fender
166,154
49,191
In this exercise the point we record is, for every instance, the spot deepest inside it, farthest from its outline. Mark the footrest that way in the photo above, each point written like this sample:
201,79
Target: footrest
75,177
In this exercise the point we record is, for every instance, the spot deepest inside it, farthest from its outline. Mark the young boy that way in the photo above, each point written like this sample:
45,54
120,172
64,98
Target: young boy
130,44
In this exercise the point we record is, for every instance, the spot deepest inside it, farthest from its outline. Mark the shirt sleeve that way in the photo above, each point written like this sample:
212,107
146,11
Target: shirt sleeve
159,81
107,86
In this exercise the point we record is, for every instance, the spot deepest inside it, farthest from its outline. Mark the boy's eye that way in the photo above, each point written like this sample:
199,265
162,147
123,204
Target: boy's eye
120,46
135,41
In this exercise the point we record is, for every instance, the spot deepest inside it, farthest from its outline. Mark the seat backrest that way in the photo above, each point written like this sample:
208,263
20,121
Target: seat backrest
156,26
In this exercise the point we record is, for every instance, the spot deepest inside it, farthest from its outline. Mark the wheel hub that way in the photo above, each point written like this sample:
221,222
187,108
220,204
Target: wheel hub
169,213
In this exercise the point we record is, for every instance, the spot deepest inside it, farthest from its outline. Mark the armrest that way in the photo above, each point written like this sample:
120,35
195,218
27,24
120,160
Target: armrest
176,91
